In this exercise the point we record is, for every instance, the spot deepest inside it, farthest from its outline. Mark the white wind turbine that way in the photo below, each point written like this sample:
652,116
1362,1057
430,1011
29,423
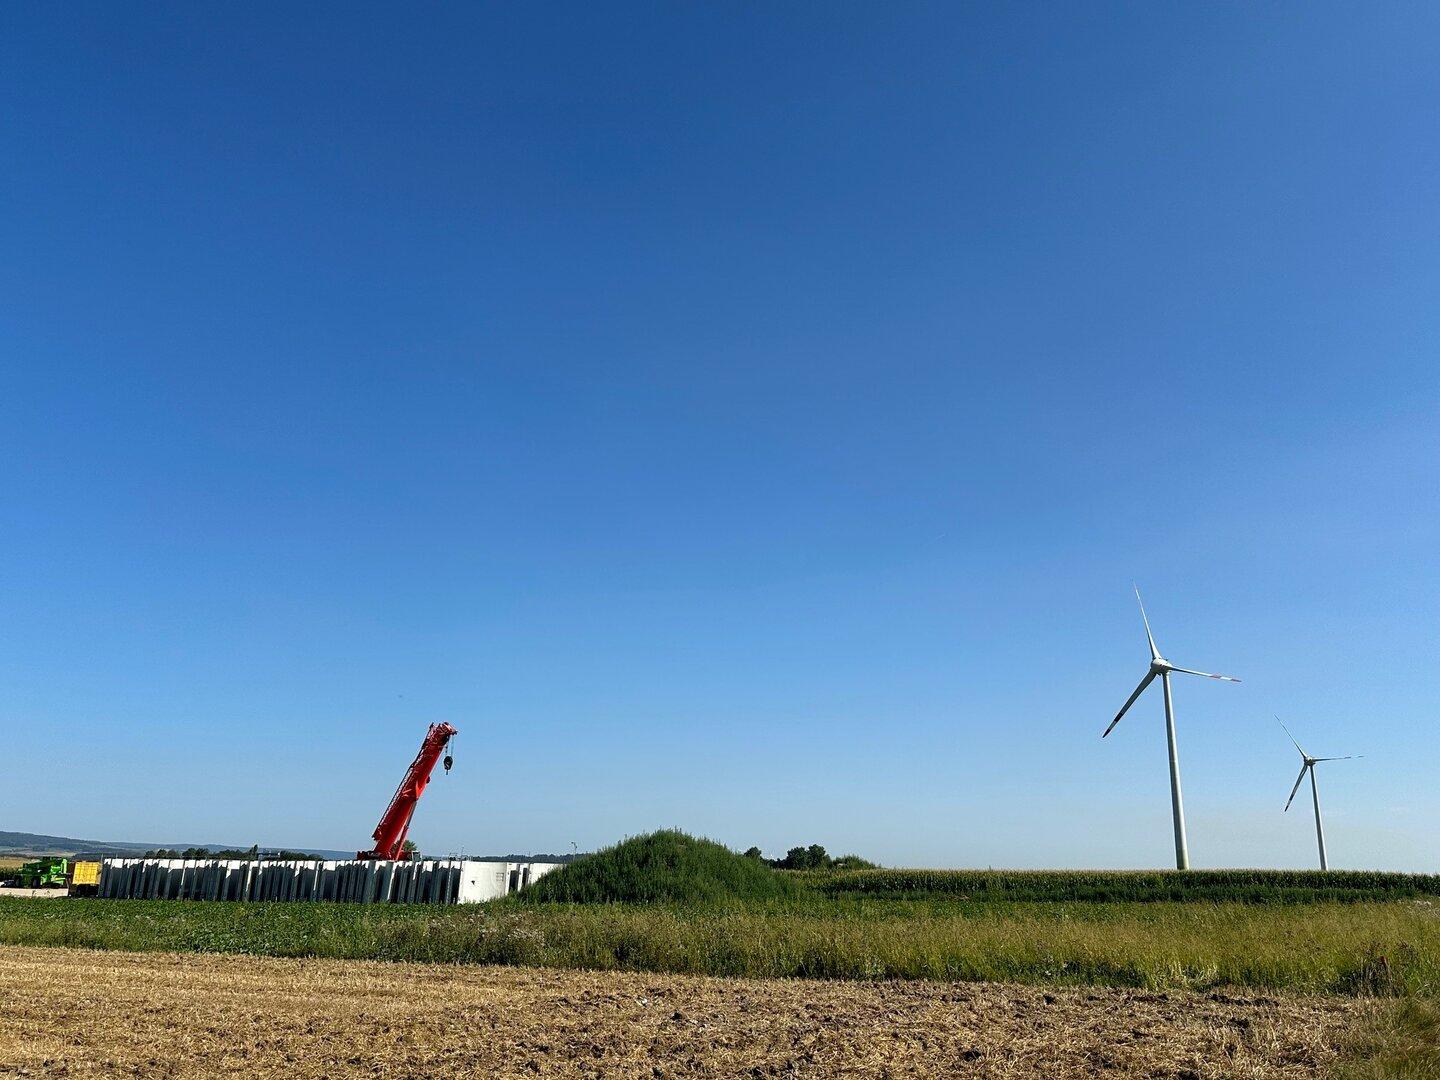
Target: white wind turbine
1308,765
1162,668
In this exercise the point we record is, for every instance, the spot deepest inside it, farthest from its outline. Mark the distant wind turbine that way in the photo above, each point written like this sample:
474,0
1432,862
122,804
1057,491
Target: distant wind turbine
1308,765
1161,667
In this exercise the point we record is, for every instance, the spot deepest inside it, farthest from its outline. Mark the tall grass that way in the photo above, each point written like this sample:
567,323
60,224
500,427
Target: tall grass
1360,948
1399,1042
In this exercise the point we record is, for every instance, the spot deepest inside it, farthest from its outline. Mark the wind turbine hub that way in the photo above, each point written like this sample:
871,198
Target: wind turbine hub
1160,665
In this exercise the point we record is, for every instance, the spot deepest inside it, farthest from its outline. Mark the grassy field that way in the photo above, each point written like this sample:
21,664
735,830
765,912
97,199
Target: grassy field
668,902
1353,949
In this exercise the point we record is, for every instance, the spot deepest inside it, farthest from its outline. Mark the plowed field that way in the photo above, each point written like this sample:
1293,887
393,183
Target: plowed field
80,1013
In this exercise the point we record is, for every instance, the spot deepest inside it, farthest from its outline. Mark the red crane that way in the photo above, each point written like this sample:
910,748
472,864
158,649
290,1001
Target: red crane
395,822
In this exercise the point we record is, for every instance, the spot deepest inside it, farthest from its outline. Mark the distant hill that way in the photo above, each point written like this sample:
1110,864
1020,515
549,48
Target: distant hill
23,843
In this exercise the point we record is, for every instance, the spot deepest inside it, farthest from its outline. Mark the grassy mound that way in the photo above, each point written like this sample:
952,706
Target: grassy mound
664,867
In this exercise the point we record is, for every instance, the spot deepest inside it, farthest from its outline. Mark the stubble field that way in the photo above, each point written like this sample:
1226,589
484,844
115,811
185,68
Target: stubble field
72,1012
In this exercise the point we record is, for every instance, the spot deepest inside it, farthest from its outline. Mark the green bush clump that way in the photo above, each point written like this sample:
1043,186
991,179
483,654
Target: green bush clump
668,866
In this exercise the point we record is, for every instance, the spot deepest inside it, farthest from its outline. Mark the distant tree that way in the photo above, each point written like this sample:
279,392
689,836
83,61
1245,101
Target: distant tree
803,858
815,857
410,849
252,854
754,853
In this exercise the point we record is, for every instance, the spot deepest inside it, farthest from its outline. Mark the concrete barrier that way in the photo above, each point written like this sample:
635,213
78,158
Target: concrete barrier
351,881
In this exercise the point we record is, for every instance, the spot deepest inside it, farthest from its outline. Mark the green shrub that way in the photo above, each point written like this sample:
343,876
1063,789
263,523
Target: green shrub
663,867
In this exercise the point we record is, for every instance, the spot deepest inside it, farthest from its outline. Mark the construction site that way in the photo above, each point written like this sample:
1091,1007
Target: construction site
387,872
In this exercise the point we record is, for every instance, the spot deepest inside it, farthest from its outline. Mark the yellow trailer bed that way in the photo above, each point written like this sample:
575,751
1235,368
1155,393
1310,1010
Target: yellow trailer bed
85,879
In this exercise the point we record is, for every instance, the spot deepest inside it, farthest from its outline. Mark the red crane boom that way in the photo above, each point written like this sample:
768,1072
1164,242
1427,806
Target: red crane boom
395,822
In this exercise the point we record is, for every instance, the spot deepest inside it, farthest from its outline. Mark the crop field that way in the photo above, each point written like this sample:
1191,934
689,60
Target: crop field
70,1012
1130,886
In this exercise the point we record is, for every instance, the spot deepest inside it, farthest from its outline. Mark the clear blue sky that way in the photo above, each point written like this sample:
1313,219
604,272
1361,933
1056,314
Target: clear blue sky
748,418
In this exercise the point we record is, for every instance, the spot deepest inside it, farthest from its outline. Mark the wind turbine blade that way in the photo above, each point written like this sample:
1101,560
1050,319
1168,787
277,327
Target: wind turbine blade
1297,785
1347,757
1205,674
1292,737
1154,652
1146,681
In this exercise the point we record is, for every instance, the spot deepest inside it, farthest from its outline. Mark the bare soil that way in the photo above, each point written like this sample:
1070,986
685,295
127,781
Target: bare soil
70,1012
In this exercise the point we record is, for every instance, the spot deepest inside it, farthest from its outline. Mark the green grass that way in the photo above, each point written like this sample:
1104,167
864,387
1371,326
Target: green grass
662,867
1357,948
1401,1041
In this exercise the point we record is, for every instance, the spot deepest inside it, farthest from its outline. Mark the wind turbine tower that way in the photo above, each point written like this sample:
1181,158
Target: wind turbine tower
1162,669
1307,764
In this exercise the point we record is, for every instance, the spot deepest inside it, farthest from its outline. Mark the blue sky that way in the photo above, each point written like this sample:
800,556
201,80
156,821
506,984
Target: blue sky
748,418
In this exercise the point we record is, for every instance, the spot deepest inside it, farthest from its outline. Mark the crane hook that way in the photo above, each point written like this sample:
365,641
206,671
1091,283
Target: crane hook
449,760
